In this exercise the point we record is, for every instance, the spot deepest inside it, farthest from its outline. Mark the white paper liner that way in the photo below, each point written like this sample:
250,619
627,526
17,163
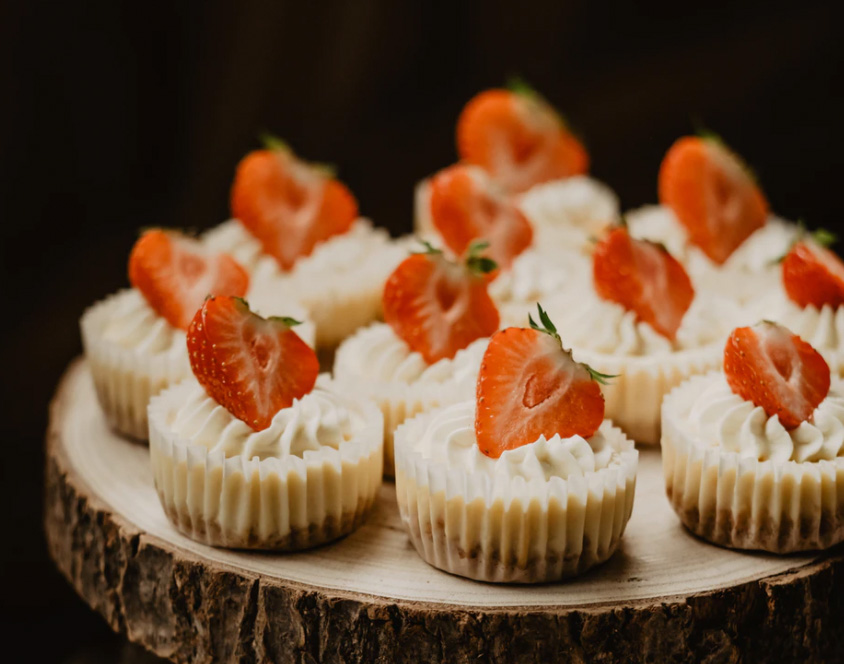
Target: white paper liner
126,378
634,397
509,530
284,504
745,503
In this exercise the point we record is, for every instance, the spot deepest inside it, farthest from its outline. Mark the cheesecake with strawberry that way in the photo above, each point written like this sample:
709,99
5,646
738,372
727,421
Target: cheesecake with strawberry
439,317
637,315
255,450
753,456
715,219
528,151
527,482
811,300
296,228
134,340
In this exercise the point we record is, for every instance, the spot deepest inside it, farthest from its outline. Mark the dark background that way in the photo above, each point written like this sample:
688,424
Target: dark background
115,116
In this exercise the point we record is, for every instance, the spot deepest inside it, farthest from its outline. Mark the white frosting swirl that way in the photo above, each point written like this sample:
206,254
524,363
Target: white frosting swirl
718,417
450,439
535,275
361,249
587,321
322,418
135,325
570,210
377,354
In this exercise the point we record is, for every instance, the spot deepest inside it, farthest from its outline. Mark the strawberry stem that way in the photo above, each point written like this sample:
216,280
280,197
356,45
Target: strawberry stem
550,329
476,263
428,248
287,320
272,142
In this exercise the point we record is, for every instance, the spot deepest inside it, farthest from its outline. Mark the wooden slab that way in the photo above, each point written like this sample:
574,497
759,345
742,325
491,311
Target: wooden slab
664,596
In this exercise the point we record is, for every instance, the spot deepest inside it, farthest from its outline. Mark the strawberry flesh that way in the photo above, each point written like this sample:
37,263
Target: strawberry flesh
251,366
643,278
438,307
813,276
712,194
528,387
466,206
289,205
175,274
777,371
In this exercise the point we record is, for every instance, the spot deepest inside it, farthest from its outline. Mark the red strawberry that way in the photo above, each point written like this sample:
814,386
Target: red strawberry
713,195
466,205
251,366
644,278
437,306
529,386
175,274
813,275
519,139
777,370
289,205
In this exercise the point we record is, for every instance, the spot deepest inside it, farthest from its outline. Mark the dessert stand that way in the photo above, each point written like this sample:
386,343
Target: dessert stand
664,596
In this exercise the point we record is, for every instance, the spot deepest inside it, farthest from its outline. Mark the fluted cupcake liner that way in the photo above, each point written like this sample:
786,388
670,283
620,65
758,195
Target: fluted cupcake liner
634,397
744,503
127,378
508,530
285,503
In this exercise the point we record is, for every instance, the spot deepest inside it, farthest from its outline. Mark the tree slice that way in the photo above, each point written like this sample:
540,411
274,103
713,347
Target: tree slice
665,596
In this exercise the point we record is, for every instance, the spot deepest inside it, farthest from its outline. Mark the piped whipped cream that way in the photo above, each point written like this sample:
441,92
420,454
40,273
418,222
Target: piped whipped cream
378,354
322,418
717,417
450,439
362,248
587,321
133,324
572,208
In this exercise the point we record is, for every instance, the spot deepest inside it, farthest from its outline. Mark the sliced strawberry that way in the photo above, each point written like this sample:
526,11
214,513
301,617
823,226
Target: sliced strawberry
251,366
643,278
175,274
713,195
519,139
776,370
466,205
289,205
437,306
530,386
813,275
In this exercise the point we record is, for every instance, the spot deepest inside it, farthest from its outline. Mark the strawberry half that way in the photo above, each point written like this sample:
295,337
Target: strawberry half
519,139
438,306
530,386
175,274
289,205
776,370
643,278
813,275
713,195
251,366
466,206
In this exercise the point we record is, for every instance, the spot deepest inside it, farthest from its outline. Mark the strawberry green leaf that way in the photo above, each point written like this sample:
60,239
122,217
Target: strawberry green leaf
428,248
598,377
272,142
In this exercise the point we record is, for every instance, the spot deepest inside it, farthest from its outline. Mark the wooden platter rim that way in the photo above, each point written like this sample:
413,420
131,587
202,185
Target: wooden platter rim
70,476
